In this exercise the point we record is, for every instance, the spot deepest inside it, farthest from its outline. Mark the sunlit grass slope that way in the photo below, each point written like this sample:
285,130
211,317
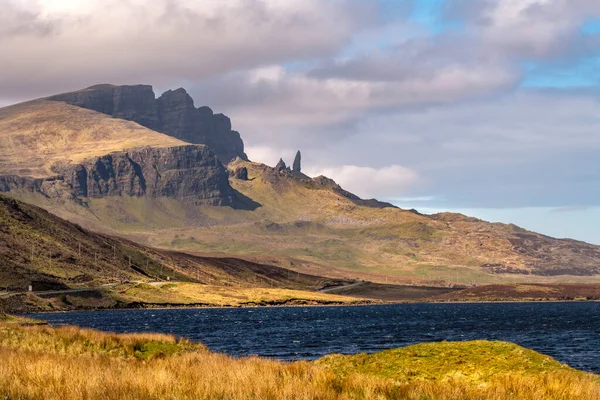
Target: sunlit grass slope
37,134
42,250
312,227
194,294
162,295
72,363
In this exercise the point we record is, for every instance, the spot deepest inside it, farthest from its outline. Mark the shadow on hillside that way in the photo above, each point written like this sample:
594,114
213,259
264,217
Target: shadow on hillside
243,202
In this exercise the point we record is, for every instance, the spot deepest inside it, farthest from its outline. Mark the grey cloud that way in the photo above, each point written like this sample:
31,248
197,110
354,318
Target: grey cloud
272,100
164,41
496,35
416,57
18,20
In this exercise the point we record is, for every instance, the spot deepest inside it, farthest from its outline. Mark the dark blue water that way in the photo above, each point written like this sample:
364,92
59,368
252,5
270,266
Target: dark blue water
569,332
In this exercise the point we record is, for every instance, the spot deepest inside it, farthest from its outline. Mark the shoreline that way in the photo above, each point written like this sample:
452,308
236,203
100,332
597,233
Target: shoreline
377,304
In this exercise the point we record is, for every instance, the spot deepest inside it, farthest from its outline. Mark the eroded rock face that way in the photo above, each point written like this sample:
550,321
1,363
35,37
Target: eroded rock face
173,113
184,172
190,173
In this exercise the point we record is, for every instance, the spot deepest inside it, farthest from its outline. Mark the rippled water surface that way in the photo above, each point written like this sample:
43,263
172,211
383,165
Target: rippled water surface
569,332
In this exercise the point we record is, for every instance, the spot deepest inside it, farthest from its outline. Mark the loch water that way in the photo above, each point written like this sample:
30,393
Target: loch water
569,331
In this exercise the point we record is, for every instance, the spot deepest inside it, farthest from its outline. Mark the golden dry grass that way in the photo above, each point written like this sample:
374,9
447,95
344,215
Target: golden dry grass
191,293
71,363
39,133
76,341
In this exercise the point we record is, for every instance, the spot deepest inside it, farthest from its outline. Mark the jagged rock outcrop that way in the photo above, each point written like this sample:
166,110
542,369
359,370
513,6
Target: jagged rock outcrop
190,173
173,113
179,118
241,173
280,167
297,166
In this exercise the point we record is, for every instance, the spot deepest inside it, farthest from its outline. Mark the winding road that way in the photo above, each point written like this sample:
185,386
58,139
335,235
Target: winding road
65,291
334,289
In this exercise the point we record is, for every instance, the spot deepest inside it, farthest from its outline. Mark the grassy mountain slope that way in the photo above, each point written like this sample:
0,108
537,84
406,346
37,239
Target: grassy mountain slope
307,225
37,134
42,250
313,227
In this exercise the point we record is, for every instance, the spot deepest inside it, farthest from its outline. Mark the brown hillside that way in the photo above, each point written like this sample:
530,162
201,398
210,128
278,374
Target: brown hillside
525,292
39,249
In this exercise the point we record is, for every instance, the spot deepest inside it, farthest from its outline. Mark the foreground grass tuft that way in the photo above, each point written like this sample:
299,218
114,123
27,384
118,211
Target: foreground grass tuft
72,363
71,340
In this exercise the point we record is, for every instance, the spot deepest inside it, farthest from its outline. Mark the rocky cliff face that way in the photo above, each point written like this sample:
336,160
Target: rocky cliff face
173,113
189,173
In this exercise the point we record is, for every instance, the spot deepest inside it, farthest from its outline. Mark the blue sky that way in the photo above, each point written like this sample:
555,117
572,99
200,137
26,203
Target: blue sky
486,107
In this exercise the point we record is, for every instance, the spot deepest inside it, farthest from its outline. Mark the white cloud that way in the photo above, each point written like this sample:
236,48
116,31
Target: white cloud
383,183
270,155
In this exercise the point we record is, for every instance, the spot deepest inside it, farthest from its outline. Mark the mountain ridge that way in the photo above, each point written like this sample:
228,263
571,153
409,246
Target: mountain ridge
282,216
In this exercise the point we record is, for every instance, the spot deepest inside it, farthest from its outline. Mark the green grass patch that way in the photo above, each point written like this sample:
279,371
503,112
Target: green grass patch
149,350
475,360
